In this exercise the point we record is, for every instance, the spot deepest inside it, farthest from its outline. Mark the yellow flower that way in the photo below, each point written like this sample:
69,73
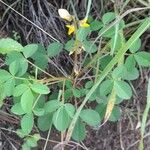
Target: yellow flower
71,29
64,14
83,23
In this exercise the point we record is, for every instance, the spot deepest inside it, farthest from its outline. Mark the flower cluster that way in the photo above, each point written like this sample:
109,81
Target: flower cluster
64,14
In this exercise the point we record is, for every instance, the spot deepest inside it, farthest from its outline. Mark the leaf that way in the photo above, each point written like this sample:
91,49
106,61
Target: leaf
116,114
20,89
68,94
2,94
88,84
82,33
4,75
123,89
90,116
38,111
45,122
17,109
69,46
51,106
40,88
104,61
96,25
125,72
130,62
25,146
54,49
8,45
101,109
135,46
19,58
14,67
70,109
9,87
61,119
108,17
105,87
27,123
76,92
89,47
40,57
79,132
30,49
31,142
27,101
142,58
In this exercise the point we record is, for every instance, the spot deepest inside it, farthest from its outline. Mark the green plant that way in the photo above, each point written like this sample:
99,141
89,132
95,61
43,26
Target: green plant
112,66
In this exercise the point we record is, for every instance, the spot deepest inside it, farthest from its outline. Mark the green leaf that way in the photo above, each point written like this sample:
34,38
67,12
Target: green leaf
38,111
125,72
17,109
14,67
96,25
27,123
2,94
25,146
89,47
123,89
70,109
45,122
135,46
79,132
61,119
101,109
108,17
8,45
9,87
51,106
22,64
40,88
31,142
20,133
40,57
20,89
69,46
105,61
115,115
90,116
143,58
89,84
30,49
27,99
4,75
76,93
68,94
82,33
54,49
106,87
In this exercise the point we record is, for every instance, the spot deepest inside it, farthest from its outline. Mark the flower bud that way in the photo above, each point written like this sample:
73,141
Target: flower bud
64,14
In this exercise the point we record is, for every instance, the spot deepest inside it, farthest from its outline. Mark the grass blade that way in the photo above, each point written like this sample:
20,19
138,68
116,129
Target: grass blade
144,118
